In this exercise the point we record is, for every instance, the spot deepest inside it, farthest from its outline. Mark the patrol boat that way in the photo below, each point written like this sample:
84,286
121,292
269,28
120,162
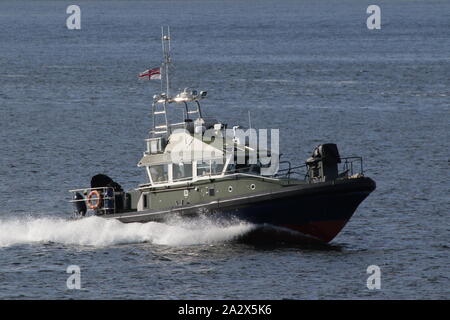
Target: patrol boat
200,166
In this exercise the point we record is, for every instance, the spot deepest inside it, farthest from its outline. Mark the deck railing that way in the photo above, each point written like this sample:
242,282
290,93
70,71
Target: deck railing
349,166
109,202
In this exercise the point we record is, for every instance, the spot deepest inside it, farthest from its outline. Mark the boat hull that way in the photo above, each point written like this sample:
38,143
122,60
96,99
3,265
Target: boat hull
317,211
318,216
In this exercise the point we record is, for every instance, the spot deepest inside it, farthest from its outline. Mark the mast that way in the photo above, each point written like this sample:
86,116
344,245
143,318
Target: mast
165,39
162,126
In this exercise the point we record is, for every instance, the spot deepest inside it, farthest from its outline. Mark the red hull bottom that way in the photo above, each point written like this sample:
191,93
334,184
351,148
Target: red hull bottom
313,233
321,230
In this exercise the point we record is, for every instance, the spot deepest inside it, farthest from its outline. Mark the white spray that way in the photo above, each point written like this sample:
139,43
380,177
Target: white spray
99,232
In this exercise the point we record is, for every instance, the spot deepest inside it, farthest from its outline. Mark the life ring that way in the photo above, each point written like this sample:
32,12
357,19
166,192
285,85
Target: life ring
96,202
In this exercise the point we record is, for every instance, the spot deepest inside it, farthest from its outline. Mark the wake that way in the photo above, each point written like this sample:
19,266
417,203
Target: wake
100,232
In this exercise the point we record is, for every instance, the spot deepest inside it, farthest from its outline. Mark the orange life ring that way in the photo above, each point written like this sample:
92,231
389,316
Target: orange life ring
94,204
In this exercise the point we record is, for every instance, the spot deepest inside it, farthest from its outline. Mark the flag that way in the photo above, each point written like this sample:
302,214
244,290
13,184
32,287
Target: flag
151,74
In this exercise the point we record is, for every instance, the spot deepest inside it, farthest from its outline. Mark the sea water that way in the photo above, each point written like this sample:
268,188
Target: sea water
71,106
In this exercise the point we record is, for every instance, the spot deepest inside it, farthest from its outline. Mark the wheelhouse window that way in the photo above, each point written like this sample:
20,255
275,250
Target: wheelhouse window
231,168
182,171
203,168
159,173
145,200
217,167
210,167
243,168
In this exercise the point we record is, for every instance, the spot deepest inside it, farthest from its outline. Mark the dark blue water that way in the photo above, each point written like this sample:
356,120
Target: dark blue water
71,106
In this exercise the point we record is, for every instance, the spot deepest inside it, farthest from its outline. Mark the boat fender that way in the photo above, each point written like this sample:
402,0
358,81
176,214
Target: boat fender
94,199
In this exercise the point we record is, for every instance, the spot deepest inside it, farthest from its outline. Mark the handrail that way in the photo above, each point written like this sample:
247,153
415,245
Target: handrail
89,189
281,173
348,164
103,190
86,190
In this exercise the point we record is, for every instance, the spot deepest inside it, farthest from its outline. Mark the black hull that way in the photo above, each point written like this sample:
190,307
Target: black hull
316,211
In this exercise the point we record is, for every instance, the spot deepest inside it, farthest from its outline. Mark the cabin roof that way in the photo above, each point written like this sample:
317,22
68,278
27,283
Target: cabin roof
183,147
